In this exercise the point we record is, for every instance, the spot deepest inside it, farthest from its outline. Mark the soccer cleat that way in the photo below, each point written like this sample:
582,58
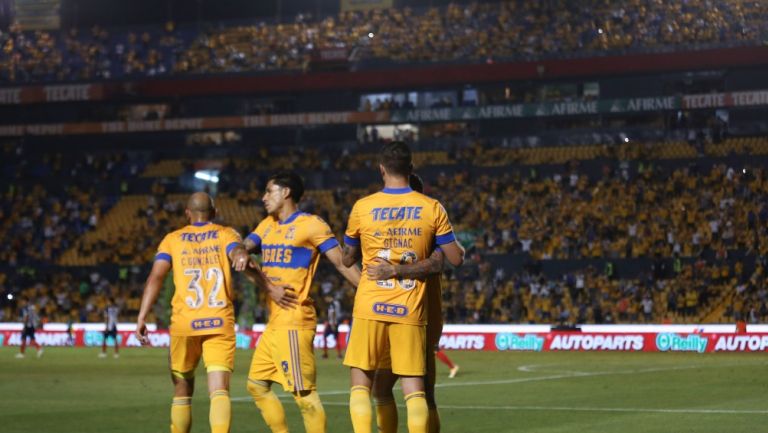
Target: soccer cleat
453,372
39,352
19,355
102,355
116,355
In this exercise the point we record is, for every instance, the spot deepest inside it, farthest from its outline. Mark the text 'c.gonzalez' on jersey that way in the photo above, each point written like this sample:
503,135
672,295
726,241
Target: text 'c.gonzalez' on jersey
402,226
290,251
202,300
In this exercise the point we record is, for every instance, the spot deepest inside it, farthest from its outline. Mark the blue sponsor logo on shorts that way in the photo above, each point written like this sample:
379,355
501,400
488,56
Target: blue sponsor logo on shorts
284,364
395,310
210,323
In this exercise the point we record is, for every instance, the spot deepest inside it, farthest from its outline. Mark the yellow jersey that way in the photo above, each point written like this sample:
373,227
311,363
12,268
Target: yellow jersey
202,299
290,251
402,226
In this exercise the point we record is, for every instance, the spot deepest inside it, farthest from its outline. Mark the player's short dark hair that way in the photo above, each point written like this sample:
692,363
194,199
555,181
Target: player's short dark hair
290,180
416,183
396,158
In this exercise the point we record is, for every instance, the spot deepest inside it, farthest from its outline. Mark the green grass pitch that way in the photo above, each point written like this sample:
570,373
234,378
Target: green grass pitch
72,390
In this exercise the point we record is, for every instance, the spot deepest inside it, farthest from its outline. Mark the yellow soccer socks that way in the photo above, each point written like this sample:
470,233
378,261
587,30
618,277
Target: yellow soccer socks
312,411
269,405
360,409
386,415
181,414
418,413
220,415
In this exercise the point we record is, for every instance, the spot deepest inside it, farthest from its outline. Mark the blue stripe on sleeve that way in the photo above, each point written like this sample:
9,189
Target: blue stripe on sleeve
329,244
255,238
163,256
231,246
445,239
351,241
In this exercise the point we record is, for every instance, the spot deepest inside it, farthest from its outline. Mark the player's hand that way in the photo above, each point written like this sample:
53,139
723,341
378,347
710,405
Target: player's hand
283,296
240,261
380,269
141,333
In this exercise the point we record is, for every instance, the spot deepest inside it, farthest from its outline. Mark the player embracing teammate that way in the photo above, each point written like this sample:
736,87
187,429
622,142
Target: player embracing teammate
399,226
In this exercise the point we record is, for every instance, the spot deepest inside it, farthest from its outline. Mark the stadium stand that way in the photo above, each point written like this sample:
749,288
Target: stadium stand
484,32
695,224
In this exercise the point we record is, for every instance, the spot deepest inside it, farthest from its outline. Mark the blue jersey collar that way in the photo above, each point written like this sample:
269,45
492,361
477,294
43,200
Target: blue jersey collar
201,223
291,218
405,190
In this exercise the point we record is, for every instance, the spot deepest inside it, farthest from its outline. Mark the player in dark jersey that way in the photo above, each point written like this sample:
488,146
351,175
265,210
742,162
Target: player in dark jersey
111,313
331,326
31,322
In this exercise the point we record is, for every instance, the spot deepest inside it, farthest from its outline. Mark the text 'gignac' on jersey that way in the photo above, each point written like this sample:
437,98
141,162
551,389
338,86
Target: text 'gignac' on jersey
400,237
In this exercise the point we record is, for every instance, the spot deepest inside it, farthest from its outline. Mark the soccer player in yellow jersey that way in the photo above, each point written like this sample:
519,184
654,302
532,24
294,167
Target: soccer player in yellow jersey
291,243
401,226
202,320
386,411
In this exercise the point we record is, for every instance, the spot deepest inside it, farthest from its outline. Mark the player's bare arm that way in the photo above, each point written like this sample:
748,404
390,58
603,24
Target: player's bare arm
250,245
384,270
454,253
284,296
351,273
239,258
351,255
152,289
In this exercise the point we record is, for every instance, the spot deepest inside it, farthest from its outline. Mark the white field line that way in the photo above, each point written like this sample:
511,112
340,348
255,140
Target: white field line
567,375
585,409
442,385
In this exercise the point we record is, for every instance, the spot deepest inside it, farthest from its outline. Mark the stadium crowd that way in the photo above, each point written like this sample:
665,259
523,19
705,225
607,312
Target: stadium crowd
43,218
686,212
485,32
703,220
483,294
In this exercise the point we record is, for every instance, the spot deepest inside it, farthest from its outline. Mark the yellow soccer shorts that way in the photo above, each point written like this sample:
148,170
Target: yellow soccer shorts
285,356
434,331
217,351
374,344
